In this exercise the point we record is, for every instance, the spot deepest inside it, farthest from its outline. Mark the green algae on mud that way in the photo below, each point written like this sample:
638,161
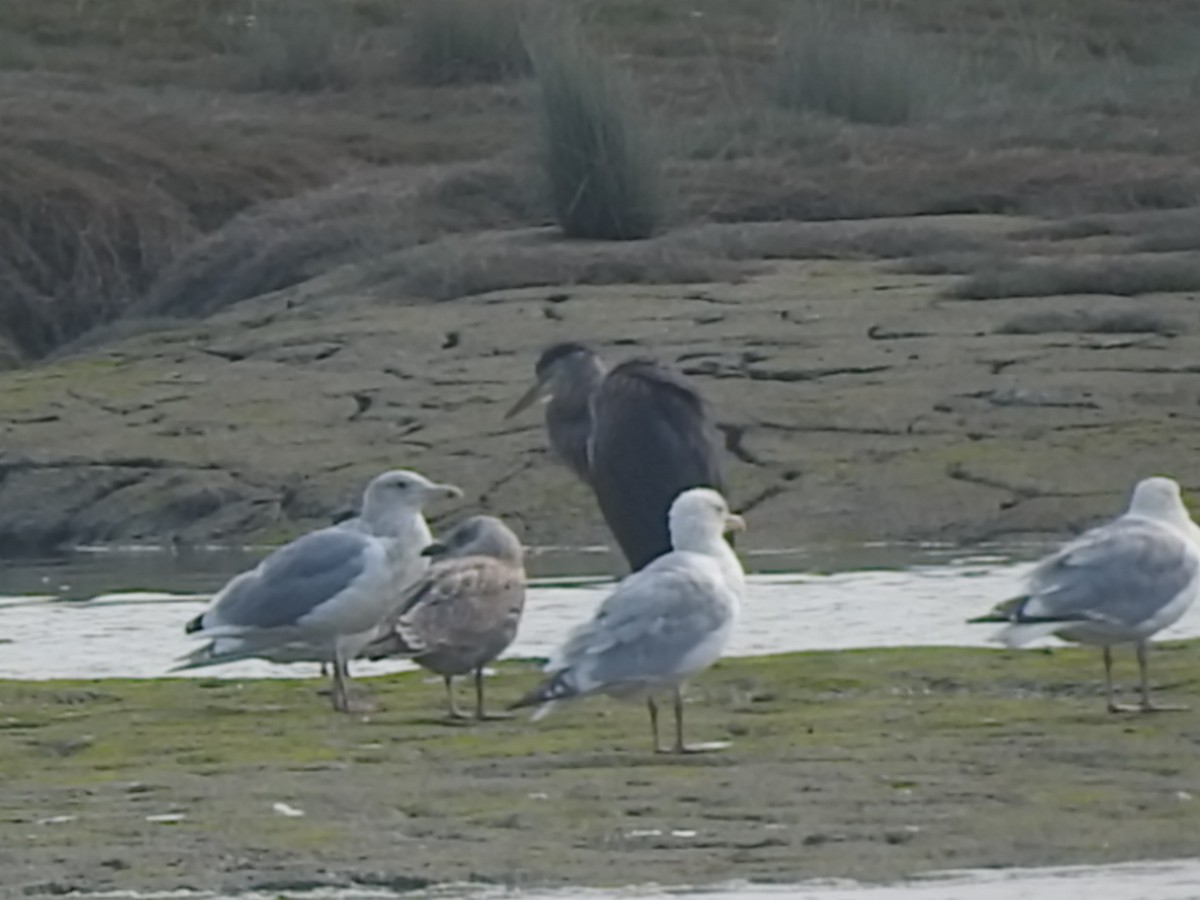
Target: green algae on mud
871,764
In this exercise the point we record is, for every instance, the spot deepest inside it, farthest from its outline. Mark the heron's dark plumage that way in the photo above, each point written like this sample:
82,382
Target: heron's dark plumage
651,440
638,434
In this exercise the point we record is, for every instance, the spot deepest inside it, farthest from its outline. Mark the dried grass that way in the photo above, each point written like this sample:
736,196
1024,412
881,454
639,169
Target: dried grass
804,240
95,200
465,41
462,266
1082,321
1121,276
297,45
837,59
357,219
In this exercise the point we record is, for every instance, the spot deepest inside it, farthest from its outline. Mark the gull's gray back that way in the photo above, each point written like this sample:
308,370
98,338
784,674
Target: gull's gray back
1123,573
293,581
652,623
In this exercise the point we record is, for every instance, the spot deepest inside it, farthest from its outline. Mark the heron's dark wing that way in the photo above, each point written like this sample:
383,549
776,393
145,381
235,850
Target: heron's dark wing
1121,573
651,440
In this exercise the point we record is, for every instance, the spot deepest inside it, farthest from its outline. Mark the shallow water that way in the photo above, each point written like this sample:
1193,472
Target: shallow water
96,615
1169,880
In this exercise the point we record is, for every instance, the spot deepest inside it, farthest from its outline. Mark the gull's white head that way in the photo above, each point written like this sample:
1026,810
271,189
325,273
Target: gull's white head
698,519
1160,498
400,491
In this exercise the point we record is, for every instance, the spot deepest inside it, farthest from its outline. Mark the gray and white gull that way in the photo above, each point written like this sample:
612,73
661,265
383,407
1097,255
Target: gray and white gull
322,596
662,624
1119,583
464,611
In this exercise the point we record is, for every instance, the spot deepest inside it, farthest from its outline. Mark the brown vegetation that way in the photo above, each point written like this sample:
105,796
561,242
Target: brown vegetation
461,41
1083,321
171,155
1125,277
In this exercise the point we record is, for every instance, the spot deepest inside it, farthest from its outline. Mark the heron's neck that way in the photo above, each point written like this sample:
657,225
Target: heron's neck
569,425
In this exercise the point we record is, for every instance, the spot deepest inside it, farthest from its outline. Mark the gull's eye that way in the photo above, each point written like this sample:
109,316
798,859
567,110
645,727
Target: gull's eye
401,485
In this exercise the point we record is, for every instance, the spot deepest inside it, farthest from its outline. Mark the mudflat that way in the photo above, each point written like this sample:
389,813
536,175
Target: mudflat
858,404
866,764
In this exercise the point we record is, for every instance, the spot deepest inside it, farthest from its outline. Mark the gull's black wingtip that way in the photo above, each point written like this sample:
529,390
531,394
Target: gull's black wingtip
1008,611
194,625
557,687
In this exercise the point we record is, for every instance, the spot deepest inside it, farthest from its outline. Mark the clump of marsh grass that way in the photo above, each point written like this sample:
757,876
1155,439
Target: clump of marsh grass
600,162
463,41
834,58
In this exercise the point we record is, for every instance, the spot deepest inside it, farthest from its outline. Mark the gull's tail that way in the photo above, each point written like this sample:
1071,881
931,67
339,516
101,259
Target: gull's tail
394,639
1020,629
215,653
557,687
206,655
1019,634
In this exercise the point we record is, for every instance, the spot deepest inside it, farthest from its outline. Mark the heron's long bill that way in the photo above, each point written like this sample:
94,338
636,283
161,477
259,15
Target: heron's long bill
528,398
734,523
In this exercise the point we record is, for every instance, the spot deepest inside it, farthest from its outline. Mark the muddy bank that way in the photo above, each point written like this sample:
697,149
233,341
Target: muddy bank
871,764
860,404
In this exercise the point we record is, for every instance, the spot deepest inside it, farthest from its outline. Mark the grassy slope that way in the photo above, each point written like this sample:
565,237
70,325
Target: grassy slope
871,764
153,161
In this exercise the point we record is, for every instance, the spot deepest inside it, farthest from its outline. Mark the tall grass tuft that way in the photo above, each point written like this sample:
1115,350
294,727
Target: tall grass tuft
598,156
465,41
835,59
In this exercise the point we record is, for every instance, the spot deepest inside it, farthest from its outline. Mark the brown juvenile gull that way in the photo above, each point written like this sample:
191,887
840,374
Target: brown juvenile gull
465,611
322,596
1120,583
661,625
638,434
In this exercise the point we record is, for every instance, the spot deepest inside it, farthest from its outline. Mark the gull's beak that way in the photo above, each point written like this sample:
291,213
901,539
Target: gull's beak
437,548
535,393
734,523
448,490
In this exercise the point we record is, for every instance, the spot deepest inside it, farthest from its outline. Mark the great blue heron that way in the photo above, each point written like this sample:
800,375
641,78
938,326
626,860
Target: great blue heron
638,434
671,620
1119,583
